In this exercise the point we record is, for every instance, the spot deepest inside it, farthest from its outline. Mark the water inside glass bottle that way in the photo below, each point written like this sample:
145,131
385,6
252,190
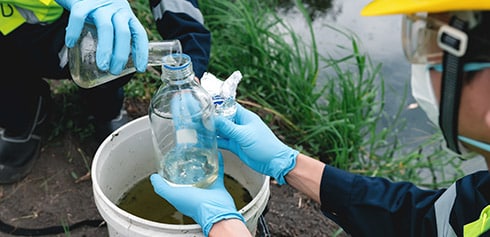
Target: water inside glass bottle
181,115
83,67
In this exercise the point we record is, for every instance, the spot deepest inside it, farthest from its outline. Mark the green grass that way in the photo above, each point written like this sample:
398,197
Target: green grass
335,117
332,112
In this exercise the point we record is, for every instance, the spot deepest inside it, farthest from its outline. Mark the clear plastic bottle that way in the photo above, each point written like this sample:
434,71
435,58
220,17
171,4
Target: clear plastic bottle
223,93
83,67
182,123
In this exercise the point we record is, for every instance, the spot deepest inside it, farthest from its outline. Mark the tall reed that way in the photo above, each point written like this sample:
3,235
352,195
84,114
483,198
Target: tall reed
334,117
331,112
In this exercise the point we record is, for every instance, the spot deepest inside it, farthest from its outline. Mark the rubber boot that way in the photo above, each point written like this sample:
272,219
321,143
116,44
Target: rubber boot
20,150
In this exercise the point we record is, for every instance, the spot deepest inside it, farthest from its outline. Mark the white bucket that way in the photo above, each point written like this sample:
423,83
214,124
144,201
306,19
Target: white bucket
126,157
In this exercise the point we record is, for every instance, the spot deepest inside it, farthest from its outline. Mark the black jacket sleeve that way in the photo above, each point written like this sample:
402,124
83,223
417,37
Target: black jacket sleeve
373,206
182,20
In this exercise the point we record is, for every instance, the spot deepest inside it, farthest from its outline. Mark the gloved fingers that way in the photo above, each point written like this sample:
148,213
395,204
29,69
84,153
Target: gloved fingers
256,128
244,116
183,104
169,193
122,41
172,194
205,205
186,111
159,185
233,148
240,110
230,135
118,32
105,34
76,20
139,44
180,197
223,143
192,104
225,128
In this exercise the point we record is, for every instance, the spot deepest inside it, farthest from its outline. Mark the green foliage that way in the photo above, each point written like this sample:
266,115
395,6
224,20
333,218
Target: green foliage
68,110
335,117
280,71
332,113
143,85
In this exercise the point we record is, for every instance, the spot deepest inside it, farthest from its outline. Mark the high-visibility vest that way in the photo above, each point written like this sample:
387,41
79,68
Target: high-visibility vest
479,226
14,13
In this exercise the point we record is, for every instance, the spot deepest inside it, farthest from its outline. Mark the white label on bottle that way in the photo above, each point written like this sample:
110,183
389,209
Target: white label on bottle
186,136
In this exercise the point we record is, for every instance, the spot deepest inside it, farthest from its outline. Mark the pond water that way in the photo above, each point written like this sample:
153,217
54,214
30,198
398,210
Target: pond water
380,38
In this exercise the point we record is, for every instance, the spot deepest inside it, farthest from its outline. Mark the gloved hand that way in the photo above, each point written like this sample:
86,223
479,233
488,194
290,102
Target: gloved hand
205,206
117,29
192,125
255,144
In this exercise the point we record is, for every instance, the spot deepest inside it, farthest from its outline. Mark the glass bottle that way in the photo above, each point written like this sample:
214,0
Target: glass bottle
181,117
83,67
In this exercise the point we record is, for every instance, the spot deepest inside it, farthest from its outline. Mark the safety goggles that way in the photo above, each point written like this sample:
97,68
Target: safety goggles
422,34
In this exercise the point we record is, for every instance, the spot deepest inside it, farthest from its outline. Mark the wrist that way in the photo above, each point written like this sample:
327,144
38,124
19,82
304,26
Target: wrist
229,228
207,227
288,165
306,176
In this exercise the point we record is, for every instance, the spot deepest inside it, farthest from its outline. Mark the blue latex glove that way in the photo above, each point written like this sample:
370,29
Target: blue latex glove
186,108
192,124
119,32
205,206
255,144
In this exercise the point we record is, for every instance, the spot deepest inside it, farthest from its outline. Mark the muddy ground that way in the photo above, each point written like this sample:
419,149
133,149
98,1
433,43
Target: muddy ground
58,192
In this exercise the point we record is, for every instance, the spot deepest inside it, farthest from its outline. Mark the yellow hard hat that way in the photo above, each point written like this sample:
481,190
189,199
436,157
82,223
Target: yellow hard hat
388,7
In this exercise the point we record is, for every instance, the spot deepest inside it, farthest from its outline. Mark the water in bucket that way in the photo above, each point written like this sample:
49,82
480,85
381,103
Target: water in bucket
143,202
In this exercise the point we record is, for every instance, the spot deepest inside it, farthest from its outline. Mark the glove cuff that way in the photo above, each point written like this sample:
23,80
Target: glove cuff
289,165
233,215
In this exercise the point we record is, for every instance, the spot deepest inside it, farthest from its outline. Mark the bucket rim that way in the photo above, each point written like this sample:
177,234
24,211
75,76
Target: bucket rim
263,188
105,200
133,219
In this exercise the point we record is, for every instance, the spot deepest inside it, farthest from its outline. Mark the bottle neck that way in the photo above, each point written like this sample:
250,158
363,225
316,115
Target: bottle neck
177,69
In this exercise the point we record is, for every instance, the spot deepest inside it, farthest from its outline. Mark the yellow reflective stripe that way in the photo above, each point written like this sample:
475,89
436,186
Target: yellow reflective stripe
47,2
44,10
42,14
32,4
480,226
10,18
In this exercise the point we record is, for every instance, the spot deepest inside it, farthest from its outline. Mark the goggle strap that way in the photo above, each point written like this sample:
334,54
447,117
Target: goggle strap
473,142
452,40
451,92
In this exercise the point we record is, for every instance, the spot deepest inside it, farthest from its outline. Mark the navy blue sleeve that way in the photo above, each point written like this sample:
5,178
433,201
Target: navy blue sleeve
182,20
374,206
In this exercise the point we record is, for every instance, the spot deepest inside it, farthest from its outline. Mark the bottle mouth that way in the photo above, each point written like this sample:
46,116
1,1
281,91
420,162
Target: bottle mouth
175,61
177,67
